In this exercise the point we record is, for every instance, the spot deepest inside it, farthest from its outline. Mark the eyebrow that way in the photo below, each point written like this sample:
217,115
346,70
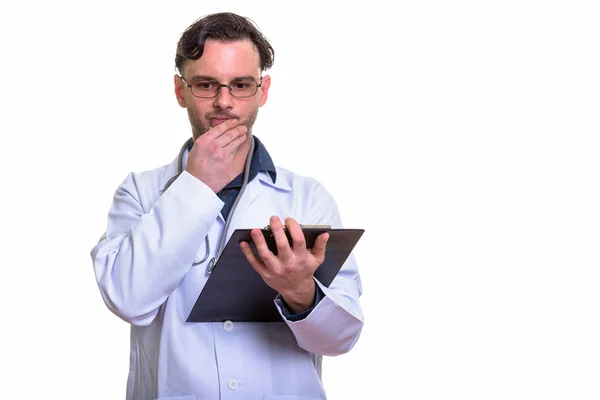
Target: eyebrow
210,78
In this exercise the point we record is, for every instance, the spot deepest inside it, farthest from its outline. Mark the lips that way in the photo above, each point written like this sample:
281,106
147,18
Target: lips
217,121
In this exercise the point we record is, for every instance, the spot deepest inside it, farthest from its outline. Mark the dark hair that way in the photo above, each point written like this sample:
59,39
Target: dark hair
227,27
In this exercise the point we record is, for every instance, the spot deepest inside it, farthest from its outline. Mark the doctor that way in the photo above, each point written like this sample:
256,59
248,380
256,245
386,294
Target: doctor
168,225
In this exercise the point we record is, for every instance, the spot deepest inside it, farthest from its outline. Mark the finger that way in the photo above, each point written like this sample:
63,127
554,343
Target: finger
261,246
233,147
231,134
319,248
216,131
298,241
237,141
281,240
256,263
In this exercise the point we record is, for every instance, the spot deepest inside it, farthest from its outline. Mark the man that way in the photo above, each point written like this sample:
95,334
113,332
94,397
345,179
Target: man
163,226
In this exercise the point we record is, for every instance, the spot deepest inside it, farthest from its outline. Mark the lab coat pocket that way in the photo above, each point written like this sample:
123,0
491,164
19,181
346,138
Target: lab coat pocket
189,397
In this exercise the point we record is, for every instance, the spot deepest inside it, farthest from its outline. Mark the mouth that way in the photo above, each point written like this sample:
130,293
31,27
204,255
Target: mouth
217,121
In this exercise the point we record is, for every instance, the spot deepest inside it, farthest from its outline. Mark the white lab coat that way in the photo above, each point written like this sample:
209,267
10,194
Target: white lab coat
143,266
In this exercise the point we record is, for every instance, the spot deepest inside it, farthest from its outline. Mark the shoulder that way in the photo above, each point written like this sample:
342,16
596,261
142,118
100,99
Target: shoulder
147,185
295,180
301,183
149,178
319,206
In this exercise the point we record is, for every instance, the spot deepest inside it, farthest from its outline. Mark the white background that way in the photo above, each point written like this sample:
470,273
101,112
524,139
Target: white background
461,135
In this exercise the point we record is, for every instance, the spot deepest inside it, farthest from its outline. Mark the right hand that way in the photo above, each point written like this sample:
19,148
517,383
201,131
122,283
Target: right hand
213,154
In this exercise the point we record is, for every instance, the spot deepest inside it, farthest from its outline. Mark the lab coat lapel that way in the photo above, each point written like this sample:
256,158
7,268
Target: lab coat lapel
250,195
256,188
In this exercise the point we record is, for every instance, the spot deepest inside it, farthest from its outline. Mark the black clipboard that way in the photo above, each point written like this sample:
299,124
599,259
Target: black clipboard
235,291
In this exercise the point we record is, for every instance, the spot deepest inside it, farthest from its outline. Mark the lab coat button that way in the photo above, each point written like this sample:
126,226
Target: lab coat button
233,384
228,326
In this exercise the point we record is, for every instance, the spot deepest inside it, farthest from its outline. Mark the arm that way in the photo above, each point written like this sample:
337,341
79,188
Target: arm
144,255
334,324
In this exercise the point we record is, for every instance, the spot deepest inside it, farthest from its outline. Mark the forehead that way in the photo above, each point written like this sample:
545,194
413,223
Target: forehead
225,60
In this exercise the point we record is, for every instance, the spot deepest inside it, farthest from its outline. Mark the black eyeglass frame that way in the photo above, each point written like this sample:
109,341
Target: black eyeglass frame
228,86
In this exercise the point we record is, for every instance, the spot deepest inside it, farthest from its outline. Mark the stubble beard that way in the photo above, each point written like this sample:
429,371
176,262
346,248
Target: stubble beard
201,125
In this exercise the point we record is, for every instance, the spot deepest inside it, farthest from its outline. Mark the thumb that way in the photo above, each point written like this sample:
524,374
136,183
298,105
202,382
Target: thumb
318,249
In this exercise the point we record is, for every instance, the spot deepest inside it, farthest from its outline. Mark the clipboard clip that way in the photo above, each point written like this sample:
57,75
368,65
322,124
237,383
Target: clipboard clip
268,227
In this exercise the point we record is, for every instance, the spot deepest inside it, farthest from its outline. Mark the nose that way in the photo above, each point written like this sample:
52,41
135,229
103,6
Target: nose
224,98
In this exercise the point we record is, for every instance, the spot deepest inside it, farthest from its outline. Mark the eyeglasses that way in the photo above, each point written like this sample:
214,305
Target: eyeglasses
210,88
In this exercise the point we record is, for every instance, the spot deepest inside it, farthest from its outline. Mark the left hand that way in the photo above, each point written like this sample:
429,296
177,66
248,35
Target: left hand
290,272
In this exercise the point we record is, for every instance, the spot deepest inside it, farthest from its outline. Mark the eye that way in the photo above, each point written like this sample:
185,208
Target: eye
240,85
204,85
243,86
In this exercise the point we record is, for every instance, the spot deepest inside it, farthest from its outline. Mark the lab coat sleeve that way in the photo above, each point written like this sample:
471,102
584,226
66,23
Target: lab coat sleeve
149,248
334,325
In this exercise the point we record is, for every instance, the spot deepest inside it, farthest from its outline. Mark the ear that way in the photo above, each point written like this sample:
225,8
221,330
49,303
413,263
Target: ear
179,89
264,90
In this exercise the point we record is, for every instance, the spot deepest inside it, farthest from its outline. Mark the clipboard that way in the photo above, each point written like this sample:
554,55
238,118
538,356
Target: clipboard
235,291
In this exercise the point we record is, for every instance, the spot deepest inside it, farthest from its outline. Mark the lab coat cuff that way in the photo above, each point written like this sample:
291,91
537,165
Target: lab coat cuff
329,329
193,192
287,314
331,311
